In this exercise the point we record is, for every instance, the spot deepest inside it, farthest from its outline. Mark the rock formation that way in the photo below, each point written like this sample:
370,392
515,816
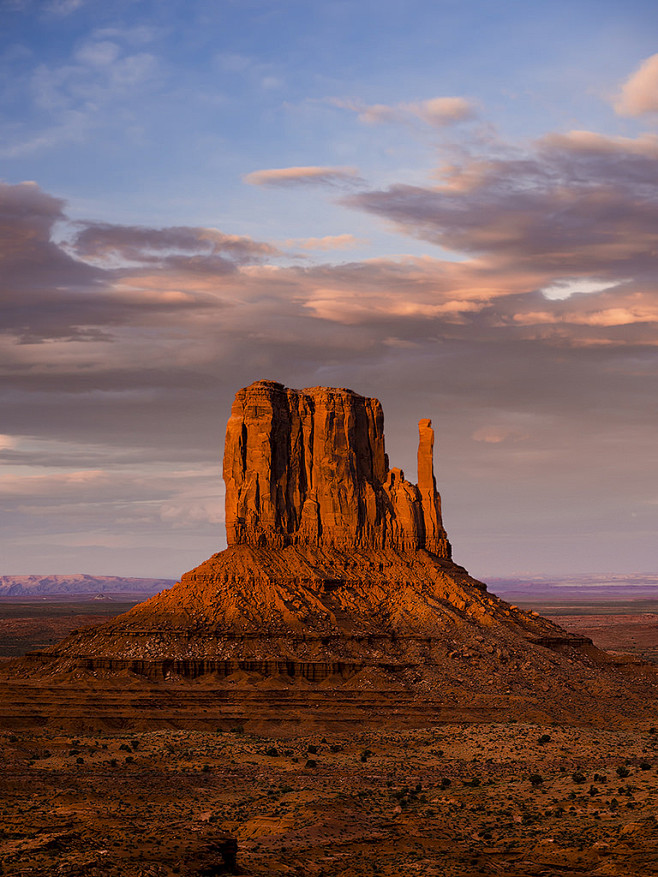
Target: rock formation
309,468
337,592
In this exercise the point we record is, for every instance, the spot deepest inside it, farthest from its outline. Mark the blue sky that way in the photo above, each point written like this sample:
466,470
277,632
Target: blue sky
373,194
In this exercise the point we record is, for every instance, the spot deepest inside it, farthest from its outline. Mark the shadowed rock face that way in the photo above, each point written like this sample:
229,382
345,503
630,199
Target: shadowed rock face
308,467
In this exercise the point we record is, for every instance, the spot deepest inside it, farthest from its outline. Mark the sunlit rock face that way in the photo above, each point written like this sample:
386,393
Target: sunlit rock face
308,467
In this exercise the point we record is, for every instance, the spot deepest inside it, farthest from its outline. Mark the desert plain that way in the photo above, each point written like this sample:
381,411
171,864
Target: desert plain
448,799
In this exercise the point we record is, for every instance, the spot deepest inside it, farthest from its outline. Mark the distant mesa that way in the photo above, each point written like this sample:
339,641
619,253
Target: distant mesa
336,601
79,585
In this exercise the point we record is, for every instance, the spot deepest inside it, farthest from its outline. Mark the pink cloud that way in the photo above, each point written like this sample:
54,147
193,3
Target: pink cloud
328,242
437,111
639,94
293,176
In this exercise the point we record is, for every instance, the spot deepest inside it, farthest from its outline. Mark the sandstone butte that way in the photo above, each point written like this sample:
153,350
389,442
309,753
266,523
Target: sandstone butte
336,601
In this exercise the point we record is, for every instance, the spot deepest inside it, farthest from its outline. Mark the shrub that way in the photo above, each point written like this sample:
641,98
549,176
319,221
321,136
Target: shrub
536,779
312,749
273,752
622,771
311,762
578,777
545,738
644,765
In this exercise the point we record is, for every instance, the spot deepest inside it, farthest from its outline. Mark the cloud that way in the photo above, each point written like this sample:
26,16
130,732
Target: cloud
63,8
437,111
639,94
294,176
328,242
89,90
109,275
573,205
175,248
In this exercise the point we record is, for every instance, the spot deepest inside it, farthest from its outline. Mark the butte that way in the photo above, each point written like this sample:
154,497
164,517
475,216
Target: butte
336,601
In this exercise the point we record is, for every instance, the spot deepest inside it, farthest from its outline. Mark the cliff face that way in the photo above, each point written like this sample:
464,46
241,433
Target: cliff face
308,467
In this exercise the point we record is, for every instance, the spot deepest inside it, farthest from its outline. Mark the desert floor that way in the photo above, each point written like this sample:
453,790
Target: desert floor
446,800
514,799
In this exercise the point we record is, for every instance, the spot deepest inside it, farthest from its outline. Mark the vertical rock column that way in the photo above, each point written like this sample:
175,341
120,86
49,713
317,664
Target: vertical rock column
435,537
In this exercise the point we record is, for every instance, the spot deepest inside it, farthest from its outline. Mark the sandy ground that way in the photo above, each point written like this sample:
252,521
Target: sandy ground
635,634
508,799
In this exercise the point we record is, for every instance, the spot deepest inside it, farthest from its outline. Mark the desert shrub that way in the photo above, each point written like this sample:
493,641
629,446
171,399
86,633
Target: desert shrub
644,765
336,747
536,779
311,762
545,738
79,761
205,768
593,791
311,748
445,782
125,748
238,729
614,804
578,777
273,752
622,771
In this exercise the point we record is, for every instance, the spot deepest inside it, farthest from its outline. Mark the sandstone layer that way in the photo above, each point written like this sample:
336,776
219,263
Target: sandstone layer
336,601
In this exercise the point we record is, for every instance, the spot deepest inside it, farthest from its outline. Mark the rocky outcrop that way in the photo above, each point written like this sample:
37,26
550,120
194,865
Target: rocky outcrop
309,467
335,601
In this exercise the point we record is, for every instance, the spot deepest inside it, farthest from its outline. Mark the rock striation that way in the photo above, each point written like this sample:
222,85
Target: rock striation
308,467
336,601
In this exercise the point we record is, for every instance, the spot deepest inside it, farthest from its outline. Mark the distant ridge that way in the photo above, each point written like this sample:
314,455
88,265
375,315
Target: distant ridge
591,587
79,584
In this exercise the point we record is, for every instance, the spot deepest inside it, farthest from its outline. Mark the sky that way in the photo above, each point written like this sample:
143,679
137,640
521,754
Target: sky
450,205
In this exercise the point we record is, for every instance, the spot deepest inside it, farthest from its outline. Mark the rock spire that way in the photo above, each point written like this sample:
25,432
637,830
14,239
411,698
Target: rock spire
308,467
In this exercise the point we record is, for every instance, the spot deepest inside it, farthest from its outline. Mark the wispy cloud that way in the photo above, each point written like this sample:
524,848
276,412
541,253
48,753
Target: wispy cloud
437,111
328,242
309,175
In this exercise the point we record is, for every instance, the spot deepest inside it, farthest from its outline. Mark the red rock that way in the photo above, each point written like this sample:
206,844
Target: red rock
309,467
